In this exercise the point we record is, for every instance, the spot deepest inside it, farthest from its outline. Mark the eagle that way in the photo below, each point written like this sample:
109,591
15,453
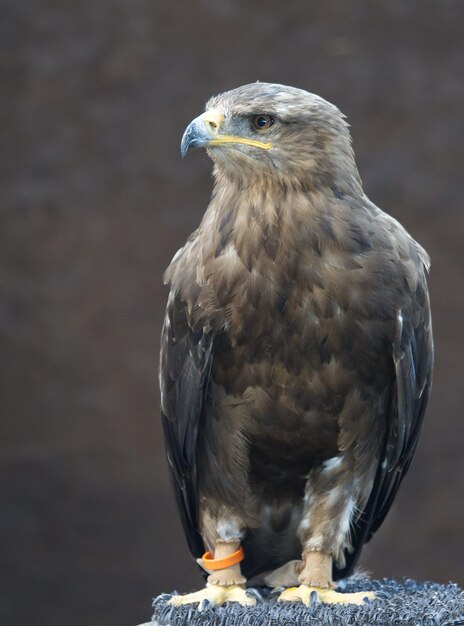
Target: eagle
296,352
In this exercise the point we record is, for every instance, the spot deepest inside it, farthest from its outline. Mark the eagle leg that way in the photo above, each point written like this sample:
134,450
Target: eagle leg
224,585
227,576
316,582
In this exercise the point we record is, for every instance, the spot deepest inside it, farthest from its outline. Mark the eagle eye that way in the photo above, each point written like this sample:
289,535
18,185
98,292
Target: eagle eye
262,122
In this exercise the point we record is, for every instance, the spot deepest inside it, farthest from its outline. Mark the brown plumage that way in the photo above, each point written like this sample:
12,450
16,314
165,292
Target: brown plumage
296,352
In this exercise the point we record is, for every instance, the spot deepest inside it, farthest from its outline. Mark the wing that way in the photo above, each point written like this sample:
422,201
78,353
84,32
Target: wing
185,364
412,354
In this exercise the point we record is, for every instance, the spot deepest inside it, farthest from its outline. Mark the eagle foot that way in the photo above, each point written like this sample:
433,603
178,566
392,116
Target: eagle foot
217,595
309,595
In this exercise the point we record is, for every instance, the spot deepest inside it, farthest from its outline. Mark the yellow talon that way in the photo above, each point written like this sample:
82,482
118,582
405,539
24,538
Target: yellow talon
215,594
328,596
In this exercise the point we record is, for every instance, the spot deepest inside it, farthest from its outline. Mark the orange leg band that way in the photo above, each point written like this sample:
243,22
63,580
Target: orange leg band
215,564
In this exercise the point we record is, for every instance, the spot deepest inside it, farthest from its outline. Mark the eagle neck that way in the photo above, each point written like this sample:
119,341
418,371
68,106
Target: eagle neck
258,217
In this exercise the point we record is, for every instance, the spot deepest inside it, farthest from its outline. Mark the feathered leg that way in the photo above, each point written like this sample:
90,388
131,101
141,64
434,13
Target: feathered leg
227,584
330,505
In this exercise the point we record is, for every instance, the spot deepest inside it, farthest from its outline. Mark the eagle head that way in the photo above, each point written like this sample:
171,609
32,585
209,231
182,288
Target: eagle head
277,134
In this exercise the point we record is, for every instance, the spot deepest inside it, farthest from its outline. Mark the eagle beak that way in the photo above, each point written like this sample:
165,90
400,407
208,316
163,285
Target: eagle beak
201,131
204,131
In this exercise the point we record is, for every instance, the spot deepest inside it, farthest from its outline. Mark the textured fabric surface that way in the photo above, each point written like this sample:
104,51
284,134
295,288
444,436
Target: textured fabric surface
398,603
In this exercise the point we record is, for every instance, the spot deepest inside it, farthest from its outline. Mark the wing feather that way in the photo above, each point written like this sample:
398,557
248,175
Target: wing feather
185,365
412,355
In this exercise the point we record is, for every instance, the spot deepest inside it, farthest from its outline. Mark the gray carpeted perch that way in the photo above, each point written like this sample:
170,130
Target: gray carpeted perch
406,603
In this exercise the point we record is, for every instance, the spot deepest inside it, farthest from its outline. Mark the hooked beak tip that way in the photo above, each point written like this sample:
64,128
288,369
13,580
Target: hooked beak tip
195,136
201,131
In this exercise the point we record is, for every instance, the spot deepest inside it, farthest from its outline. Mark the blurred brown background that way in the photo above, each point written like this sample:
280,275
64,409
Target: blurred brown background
95,200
